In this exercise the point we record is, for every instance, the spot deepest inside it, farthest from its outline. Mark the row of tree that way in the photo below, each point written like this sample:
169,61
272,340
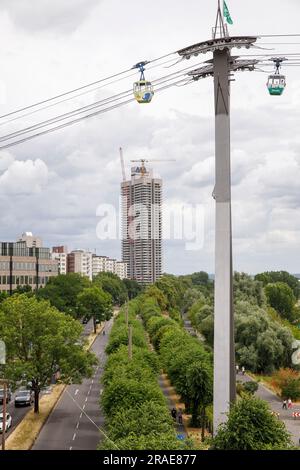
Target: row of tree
137,417
187,363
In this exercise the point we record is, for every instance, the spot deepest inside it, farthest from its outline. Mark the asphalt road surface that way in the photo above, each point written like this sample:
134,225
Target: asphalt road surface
74,422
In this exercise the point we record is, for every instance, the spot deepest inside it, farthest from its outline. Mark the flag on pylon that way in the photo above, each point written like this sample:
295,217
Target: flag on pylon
226,13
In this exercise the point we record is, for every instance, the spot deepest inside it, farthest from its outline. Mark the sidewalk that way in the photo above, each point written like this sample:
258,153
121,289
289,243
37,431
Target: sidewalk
172,402
275,403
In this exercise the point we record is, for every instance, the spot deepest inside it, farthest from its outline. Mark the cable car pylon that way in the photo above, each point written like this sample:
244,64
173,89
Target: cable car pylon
221,67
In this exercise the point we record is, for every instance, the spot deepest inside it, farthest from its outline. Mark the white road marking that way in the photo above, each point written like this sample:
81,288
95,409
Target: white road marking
71,448
86,399
80,415
83,407
77,425
101,391
92,381
74,436
76,391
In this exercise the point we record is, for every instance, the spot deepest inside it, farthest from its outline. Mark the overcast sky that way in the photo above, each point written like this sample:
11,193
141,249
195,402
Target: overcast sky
53,185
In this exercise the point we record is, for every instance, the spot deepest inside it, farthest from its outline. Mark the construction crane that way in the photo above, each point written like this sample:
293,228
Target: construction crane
143,160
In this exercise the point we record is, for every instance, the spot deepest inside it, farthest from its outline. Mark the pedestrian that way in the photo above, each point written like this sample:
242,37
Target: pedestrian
179,415
243,370
174,413
103,332
290,404
237,368
284,407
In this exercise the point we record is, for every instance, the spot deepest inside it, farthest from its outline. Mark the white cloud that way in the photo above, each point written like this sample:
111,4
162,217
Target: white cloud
58,15
24,177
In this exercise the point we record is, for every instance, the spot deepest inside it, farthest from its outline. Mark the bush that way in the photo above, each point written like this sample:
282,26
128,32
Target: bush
288,381
251,426
251,387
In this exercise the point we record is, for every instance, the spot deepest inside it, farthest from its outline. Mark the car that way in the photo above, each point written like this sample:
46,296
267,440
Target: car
8,422
85,320
24,398
8,395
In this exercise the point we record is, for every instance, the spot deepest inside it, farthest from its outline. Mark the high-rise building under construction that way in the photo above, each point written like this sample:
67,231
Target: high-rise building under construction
142,225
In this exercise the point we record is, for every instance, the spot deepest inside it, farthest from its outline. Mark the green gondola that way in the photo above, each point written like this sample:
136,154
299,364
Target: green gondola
276,84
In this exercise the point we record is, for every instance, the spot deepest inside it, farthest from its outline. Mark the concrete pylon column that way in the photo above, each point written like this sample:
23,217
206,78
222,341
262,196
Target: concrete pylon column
224,362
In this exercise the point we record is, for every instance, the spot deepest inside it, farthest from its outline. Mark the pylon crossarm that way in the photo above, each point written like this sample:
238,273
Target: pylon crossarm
235,66
217,44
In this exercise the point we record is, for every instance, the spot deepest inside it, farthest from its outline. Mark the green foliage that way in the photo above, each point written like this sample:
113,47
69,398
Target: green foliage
291,389
137,417
247,289
280,276
251,387
261,345
40,340
280,296
62,292
251,426
113,285
172,288
155,293
185,360
94,303
133,288
200,278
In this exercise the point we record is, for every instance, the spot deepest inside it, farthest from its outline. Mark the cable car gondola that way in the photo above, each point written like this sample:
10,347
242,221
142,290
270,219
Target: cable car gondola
276,82
142,89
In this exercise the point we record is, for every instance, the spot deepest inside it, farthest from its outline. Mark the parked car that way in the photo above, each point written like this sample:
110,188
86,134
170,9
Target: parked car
8,422
85,320
24,398
8,395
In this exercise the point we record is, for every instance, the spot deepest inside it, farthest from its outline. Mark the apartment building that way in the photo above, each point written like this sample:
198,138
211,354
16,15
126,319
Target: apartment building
60,254
142,225
80,261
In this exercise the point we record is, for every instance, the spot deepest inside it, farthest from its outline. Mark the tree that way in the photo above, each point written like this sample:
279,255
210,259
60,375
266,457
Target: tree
199,377
62,291
155,293
247,289
133,288
112,284
251,426
40,342
262,345
200,278
280,296
270,277
95,304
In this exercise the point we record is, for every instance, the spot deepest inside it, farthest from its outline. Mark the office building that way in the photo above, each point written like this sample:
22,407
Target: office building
25,263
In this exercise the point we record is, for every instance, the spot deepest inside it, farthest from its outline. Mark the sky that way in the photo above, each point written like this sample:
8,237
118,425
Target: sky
54,185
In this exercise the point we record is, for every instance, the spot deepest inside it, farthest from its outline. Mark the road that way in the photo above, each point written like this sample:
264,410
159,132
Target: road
73,423
18,414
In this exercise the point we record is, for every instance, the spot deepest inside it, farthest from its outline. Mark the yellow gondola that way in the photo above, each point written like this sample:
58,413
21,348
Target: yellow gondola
142,89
